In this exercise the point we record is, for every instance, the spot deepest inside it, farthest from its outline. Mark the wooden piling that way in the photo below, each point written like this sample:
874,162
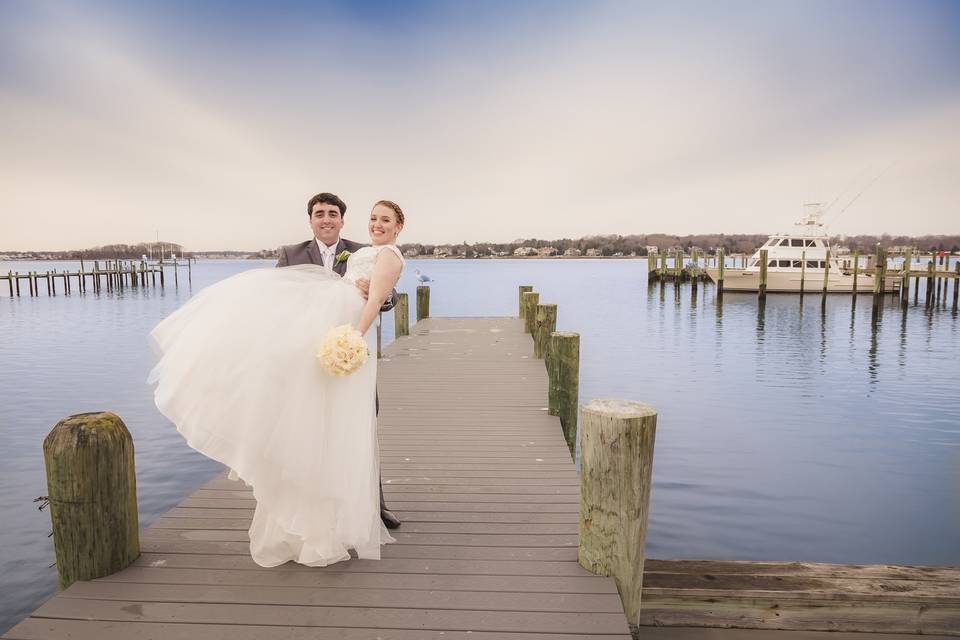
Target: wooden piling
423,302
563,387
92,490
721,269
905,277
856,270
545,323
663,266
616,456
524,288
10,283
956,284
762,288
803,270
826,272
931,269
401,316
530,301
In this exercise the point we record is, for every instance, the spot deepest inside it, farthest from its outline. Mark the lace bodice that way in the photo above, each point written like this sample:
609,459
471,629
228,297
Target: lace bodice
360,263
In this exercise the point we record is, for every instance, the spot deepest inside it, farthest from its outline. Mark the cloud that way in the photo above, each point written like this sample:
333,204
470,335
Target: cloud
485,125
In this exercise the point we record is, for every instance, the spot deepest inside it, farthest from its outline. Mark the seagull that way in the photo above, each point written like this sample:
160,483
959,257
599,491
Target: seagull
422,277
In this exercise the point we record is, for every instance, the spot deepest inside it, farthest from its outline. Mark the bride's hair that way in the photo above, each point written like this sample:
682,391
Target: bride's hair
393,206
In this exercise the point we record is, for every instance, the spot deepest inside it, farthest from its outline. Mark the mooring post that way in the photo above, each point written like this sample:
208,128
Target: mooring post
956,284
762,288
10,283
905,277
663,266
524,288
401,316
721,269
826,272
856,270
423,302
530,301
92,491
563,373
616,456
545,324
931,270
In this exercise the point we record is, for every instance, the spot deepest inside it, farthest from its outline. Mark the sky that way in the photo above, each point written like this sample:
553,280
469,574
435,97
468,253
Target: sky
211,124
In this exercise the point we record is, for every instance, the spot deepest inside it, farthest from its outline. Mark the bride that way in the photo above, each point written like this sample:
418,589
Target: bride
238,376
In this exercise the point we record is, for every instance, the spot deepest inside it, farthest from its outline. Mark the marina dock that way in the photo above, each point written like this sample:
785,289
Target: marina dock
482,476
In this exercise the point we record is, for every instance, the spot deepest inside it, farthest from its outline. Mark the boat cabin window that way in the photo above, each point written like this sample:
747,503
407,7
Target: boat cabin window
785,242
772,263
771,242
785,263
811,243
796,264
796,242
811,264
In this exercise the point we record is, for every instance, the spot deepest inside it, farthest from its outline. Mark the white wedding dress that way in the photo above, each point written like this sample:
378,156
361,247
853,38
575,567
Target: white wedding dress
238,376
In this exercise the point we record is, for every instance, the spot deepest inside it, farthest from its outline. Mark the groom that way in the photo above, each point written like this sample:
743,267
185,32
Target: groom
327,249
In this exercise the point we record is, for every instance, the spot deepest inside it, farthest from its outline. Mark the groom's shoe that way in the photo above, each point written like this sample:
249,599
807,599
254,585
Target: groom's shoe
390,521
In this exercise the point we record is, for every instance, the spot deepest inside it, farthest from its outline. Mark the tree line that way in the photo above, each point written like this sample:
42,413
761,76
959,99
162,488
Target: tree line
637,244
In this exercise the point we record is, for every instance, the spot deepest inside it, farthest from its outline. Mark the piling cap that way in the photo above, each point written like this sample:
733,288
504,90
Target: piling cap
627,409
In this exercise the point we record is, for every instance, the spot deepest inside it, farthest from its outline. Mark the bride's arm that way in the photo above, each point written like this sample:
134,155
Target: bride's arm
386,272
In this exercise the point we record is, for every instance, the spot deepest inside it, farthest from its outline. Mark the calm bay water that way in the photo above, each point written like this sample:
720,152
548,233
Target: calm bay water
791,431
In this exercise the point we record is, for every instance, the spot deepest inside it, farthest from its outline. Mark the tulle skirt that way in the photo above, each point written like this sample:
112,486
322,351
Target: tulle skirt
238,376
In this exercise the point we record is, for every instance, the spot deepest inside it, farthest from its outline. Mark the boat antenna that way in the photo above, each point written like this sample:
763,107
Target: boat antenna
868,185
844,190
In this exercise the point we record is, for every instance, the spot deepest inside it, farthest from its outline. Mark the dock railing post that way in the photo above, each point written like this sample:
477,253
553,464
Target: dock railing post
423,302
545,324
616,458
401,316
530,301
92,491
524,288
563,373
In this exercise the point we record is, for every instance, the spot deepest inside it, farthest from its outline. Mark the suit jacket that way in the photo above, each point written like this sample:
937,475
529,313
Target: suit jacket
309,253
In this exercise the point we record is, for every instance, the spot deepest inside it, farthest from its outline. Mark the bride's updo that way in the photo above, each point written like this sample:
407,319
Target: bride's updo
392,206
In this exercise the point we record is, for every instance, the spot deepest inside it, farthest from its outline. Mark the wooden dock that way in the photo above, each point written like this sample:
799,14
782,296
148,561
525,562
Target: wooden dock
114,275
489,497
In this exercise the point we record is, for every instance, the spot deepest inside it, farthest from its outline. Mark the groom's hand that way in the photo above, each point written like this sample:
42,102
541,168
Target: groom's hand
364,285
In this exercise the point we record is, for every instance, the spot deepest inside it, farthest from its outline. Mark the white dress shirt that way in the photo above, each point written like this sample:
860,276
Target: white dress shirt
328,254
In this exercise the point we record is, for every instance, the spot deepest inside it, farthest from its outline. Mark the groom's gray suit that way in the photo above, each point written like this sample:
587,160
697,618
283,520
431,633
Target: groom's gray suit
309,253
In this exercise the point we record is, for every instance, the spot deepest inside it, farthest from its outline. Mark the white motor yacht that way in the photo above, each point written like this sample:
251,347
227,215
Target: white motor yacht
797,261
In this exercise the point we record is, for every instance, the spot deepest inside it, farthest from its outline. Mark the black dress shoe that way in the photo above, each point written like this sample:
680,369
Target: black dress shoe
390,521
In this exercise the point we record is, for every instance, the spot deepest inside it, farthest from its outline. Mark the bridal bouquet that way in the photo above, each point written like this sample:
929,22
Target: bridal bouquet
342,351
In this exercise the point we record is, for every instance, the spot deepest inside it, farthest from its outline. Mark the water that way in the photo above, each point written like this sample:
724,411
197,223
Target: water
786,432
